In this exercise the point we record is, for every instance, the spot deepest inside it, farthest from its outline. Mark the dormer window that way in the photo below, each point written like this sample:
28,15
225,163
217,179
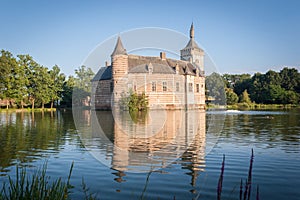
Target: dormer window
150,68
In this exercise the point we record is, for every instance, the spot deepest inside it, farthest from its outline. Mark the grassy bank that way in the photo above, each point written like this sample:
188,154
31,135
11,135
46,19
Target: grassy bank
27,110
254,106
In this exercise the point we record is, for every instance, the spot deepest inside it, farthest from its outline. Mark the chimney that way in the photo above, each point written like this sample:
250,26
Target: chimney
106,64
163,55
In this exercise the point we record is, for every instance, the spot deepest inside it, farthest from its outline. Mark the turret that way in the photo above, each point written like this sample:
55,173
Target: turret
192,52
119,60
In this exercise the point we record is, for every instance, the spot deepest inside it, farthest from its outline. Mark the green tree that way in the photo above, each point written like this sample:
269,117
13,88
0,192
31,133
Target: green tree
57,80
21,81
83,86
215,88
290,78
7,65
84,76
258,88
290,97
42,89
68,87
244,98
38,82
231,97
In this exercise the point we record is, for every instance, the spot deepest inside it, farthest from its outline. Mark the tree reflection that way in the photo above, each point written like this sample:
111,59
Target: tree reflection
27,136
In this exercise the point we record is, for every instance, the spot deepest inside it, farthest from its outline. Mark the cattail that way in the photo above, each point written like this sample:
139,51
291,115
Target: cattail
257,193
220,183
241,189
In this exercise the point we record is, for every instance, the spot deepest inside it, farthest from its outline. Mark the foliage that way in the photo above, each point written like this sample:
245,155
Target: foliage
216,88
7,65
67,92
274,87
137,102
56,83
231,97
270,88
81,85
133,101
24,82
244,98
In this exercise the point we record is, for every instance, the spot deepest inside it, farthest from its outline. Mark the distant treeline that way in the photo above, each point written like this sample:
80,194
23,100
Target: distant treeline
270,88
26,83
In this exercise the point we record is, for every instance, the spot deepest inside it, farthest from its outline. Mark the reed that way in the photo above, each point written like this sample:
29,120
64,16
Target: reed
38,186
220,183
245,194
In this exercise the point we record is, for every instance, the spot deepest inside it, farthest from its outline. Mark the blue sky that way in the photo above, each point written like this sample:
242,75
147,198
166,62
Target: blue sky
239,36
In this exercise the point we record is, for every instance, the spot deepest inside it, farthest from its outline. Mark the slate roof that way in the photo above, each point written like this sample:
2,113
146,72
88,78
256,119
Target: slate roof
141,64
138,64
192,44
104,73
119,48
157,69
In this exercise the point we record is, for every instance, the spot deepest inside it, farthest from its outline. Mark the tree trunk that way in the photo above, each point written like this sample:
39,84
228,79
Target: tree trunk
22,104
32,105
42,105
7,104
51,104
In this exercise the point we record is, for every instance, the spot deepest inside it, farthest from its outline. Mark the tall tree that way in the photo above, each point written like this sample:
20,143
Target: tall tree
83,85
231,96
68,87
290,78
244,98
21,82
57,80
30,67
214,84
43,91
7,65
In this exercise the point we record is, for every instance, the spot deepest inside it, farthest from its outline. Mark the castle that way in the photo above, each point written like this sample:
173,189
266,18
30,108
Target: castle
168,83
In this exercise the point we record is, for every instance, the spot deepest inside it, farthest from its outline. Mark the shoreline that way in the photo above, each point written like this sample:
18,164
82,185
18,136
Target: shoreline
18,110
239,106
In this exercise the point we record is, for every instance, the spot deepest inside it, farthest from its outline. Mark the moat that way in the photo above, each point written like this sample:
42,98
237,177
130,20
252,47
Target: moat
163,155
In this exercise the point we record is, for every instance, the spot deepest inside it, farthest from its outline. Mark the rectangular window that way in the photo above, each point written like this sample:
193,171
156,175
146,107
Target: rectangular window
164,86
177,87
190,87
197,88
153,86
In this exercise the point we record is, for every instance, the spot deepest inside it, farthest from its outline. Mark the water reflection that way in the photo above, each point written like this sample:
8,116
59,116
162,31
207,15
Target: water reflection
28,136
147,144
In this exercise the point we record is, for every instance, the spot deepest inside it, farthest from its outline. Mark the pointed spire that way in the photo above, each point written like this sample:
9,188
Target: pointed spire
119,49
192,43
192,34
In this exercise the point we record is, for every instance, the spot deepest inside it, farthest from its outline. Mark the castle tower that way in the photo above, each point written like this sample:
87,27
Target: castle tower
192,52
119,60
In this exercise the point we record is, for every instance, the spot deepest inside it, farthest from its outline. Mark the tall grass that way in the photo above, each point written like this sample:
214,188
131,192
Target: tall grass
38,186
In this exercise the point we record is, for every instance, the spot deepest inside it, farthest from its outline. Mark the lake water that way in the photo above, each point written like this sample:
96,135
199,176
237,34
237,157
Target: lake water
158,155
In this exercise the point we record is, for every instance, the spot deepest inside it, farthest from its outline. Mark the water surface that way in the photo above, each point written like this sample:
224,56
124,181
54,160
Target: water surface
165,155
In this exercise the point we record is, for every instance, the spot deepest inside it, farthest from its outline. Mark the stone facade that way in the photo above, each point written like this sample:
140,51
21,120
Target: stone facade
168,83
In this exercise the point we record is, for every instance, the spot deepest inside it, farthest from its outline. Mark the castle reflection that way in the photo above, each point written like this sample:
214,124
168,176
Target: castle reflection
147,142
